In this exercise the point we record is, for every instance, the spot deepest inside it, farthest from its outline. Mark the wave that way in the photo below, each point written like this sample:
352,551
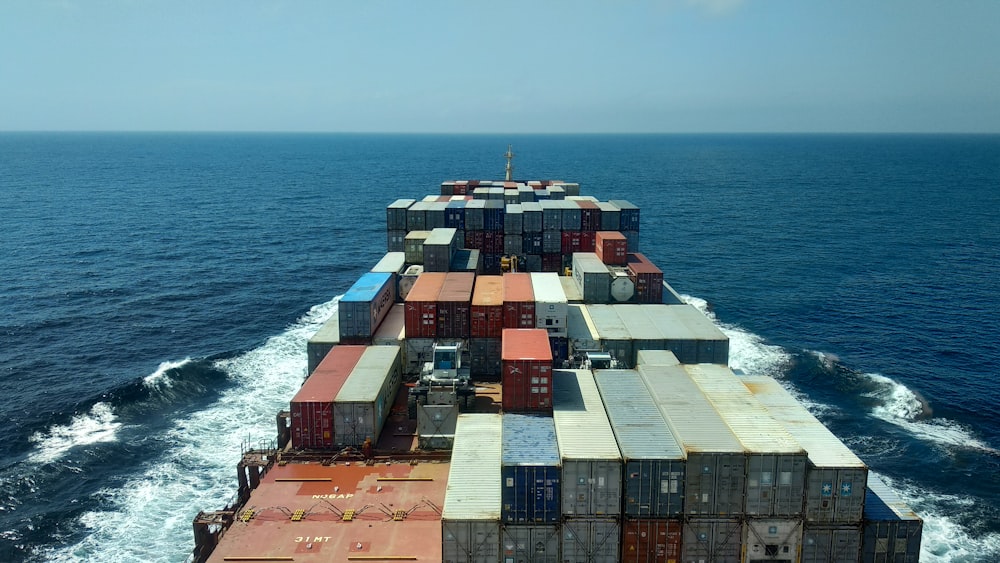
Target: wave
899,405
196,469
99,424
945,540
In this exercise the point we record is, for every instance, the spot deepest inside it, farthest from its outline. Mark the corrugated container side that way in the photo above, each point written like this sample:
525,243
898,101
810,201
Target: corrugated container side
831,544
518,301
395,214
435,214
421,305
418,352
413,246
395,240
590,216
493,214
311,408
614,335
439,248
470,519
474,215
363,403
570,216
654,471
592,465
551,215
610,216
485,354
513,245
768,540
611,247
454,305
416,216
715,540
632,238
365,304
552,242
322,342
550,303
454,214
526,365
592,540
531,243
532,217
536,543
647,540
530,469
628,216
581,332
487,307
592,277
647,277
513,223
891,530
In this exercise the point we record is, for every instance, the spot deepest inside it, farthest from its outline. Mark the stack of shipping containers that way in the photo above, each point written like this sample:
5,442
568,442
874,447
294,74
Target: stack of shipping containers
891,530
530,473
312,406
470,520
518,301
835,482
551,312
715,482
364,306
364,401
526,366
486,326
653,472
776,465
591,469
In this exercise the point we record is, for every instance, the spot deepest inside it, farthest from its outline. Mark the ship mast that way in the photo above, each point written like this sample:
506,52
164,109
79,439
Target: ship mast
509,155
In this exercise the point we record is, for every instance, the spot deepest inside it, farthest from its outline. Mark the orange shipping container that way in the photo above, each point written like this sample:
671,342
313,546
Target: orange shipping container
518,301
526,370
651,541
420,315
487,307
454,304
611,247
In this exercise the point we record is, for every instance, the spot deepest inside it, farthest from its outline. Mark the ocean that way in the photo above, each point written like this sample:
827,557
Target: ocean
157,291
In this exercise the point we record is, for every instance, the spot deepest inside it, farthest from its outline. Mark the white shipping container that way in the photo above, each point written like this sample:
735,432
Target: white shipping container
767,540
530,543
591,462
592,277
590,539
470,519
322,342
550,303
364,402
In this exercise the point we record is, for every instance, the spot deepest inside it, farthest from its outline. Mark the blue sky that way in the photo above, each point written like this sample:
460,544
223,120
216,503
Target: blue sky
513,66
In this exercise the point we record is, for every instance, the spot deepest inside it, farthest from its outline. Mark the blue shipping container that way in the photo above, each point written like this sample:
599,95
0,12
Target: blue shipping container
454,215
493,215
365,305
530,468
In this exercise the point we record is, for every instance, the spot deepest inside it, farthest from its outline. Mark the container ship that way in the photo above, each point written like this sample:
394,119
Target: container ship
513,382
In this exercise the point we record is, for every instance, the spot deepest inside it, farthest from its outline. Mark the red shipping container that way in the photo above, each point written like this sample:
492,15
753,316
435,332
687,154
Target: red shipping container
487,308
651,541
587,241
518,301
552,262
493,242
611,247
474,239
590,215
648,279
420,307
526,370
454,304
311,408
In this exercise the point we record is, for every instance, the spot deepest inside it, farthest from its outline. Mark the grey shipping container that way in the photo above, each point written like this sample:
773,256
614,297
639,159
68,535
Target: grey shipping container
416,216
391,263
614,336
570,216
418,352
834,490
689,334
365,304
395,240
436,215
776,466
592,540
551,215
513,222
395,214
822,543
712,540
530,543
654,463
715,483
470,519
413,246
551,241
591,463
532,217
486,357
771,540
891,531
513,245
610,216
436,426
439,248
322,342
474,215
363,403
592,277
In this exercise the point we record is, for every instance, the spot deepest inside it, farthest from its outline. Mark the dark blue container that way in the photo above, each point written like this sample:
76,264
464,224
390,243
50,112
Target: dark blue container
560,349
530,470
491,264
454,215
629,219
532,243
493,215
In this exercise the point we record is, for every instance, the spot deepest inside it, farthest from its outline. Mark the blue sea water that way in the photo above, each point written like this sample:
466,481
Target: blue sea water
157,291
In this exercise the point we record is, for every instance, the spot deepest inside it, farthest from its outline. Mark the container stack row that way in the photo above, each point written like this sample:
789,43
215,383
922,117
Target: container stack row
347,398
542,225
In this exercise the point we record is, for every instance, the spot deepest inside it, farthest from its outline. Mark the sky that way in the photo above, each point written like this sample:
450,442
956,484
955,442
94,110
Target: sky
584,66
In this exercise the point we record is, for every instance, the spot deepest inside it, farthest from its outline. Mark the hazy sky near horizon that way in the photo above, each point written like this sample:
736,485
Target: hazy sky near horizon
513,66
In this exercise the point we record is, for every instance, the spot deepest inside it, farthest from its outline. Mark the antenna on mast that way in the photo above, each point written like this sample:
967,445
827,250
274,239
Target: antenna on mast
509,155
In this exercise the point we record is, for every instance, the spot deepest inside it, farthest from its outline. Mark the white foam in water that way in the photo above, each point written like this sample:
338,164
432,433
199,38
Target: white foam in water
97,425
149,517
159,377
943,539
899,405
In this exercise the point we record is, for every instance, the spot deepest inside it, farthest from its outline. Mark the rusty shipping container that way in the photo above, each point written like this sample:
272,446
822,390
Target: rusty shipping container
454,305
311,408
651,540
518,301
486,319
526,370
421,305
